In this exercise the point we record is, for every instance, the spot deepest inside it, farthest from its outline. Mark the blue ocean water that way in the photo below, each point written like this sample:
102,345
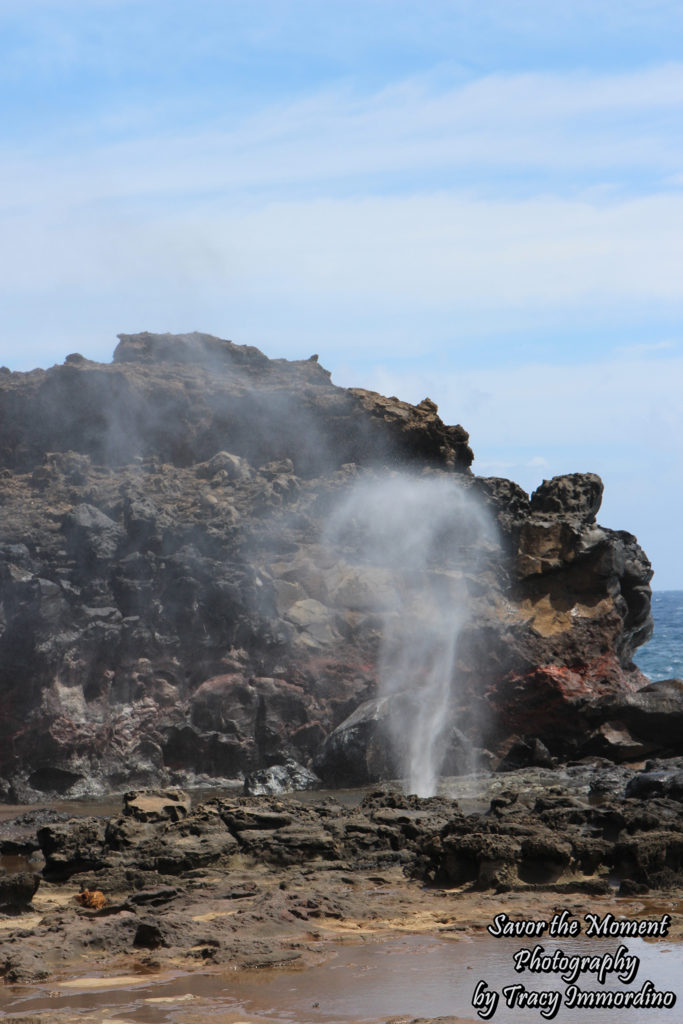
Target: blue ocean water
662,657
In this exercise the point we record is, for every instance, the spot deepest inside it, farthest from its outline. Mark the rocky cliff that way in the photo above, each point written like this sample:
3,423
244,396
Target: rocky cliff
180,600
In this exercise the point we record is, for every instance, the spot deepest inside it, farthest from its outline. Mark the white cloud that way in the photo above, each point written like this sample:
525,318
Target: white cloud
217,212
573,124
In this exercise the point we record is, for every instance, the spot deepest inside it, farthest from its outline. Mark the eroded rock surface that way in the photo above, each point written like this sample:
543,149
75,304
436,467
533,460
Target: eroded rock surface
171,611
261,881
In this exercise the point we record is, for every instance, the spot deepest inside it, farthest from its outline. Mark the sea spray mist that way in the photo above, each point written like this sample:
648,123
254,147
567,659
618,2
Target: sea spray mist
428,533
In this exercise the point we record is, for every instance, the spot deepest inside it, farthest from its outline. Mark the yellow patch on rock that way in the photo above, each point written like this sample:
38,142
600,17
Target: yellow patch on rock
548,619
28,921
213,914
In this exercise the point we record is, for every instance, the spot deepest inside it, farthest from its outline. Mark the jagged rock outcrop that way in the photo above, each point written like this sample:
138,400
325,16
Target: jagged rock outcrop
173,611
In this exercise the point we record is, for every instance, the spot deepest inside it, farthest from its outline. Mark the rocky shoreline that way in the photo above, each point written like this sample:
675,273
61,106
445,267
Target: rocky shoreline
265,881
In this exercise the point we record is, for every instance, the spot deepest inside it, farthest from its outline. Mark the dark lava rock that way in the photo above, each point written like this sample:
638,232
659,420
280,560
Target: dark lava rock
153,897
577,494
17,890
665,781
364,747
75,846
359,750
174,613
149,935
91,536
563,842
22,967
526,752
652,716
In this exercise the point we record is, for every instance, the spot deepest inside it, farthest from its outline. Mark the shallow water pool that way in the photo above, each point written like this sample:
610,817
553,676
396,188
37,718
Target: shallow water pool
409,976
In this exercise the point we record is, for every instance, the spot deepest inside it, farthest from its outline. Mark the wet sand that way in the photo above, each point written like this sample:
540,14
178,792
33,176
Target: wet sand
413,953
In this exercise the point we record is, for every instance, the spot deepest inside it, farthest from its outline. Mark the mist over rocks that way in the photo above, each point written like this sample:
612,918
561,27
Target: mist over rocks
181,603
183,398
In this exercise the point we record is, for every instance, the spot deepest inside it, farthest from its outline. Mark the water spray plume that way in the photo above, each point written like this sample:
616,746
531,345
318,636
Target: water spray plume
430,533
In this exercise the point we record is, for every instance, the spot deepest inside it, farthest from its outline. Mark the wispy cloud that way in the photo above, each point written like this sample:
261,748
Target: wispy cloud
647,348
574,130
443,253
293,201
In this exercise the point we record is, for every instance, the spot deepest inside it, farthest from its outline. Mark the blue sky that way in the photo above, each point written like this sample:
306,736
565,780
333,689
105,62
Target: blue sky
476,201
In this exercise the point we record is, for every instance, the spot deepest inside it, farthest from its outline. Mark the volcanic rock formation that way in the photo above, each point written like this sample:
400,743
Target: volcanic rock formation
174,609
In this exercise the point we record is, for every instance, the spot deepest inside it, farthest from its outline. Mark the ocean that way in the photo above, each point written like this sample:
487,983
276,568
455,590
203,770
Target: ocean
662,657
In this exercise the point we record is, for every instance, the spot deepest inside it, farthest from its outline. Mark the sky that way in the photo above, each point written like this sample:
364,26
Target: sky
479,201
